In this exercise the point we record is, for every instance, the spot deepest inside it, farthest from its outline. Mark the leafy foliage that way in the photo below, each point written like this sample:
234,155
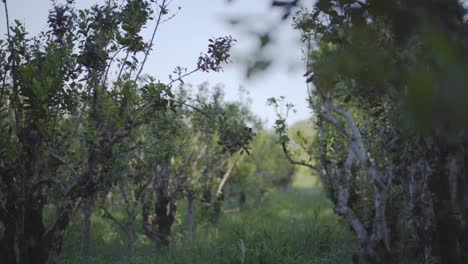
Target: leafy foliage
76,115
381,74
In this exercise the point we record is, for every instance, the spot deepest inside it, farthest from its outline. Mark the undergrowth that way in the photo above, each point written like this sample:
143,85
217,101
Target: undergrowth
292,227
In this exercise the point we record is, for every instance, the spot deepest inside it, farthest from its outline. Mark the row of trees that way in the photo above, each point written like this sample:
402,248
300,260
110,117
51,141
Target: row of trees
79,117
388,94
83,128
176,154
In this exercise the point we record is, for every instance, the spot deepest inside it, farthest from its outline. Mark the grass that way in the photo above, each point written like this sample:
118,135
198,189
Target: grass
291,227
297,226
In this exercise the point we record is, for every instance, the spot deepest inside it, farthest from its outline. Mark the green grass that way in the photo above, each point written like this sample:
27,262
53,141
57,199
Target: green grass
292,227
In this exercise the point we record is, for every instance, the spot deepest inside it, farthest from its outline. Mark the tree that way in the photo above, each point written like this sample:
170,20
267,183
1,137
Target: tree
391,132
180,164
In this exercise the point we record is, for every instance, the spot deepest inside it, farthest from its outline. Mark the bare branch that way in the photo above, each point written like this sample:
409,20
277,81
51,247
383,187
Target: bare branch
296,162
9,43
227,175
104,76
355,140
158,22
183,76
342,197
194,108
123,65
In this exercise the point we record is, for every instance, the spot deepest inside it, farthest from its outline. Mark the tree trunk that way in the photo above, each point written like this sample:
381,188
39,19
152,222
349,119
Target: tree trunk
378,254
206,203
422,213
8,245
22,241
32,250
165,216
242,198
446,225
217,207
148,222
190,209
88,206
463,200
130,235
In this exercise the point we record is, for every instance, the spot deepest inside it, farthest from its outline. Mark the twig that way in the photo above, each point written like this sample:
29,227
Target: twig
295,162
123,65
104,77
183,76
158,22
193,107
9,43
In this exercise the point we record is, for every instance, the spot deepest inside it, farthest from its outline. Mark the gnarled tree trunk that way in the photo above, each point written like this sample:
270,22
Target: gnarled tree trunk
165,210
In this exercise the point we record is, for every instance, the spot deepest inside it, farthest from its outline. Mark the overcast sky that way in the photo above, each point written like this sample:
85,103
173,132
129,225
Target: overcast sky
180,41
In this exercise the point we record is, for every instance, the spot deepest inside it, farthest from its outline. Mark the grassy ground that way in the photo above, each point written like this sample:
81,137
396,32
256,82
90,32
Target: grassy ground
293,227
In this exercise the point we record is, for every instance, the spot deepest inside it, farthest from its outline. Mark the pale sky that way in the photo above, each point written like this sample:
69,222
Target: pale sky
180,41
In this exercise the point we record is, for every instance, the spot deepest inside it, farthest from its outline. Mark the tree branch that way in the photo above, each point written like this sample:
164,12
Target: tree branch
355,140
227,175
342,197
158,22
296,162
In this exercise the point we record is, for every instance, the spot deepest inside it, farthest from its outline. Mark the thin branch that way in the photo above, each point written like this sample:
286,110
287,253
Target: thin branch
123,65
158,22
17,112
194,108
296,162
183,76
227,175
83,109
104,76
9,43
145,107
